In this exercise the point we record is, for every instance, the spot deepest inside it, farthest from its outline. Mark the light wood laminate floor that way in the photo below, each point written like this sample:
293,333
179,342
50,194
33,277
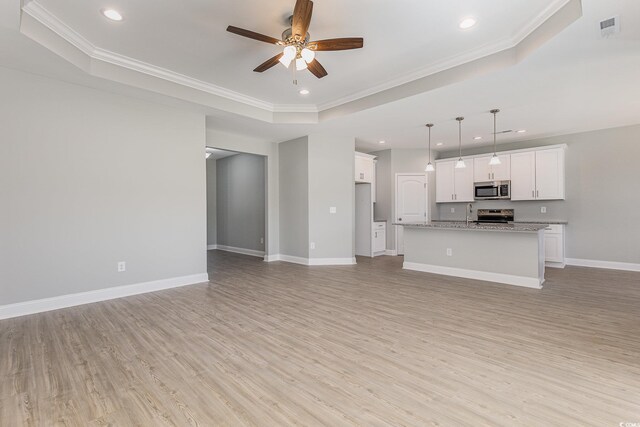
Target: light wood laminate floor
275,344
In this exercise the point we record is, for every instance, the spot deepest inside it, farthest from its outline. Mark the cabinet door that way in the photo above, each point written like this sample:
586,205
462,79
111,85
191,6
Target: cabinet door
463,183
523,176
553,248
379,241
363,169
444,182
550,174
482,169
502,172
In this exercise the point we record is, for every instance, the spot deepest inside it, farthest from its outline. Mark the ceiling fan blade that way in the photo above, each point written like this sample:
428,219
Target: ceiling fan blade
301,18
337,44
268,63
253,35
316,69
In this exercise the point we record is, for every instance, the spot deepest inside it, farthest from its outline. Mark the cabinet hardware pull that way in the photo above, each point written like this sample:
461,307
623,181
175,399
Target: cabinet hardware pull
537,193
533,193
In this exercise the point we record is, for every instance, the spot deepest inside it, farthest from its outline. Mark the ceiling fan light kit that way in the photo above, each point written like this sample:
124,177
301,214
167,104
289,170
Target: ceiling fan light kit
296,43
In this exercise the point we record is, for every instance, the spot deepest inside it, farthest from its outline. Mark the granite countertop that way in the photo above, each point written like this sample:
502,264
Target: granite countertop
520,221
463,226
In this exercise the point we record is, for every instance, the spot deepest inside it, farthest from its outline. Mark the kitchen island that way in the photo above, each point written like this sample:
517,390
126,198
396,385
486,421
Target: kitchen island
505,253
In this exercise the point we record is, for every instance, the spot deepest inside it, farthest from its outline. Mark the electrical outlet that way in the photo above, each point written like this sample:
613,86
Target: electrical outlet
449,252
453,210
333,210
262,240
312,245
122,266
543,209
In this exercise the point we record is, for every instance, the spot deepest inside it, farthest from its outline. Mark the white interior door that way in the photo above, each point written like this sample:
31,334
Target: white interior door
411,203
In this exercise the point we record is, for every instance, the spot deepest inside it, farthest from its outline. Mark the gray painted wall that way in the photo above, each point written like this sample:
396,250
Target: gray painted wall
240,213
602,198
212,232
294,197
233,142
88,179
331,184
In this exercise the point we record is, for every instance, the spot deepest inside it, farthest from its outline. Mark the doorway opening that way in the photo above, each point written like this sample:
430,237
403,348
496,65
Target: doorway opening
236,202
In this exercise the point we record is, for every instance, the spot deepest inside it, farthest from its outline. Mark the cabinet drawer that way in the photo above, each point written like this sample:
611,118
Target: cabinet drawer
379,225
553,229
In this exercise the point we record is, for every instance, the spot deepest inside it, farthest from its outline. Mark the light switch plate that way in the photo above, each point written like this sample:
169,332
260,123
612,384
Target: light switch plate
333,209
453,210
543,209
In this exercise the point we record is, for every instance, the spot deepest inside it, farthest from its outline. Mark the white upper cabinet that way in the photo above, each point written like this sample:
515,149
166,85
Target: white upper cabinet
483,171
445,191
550,174
454,185
523,176
464,182
538,175
364,171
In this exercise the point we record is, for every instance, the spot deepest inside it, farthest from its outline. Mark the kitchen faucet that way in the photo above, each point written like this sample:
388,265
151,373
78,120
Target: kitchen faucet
469,211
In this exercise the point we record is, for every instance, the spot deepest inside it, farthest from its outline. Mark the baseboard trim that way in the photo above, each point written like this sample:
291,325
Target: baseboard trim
609,265
552,264
212,247
242,251
72,300
310,261
391,252
527,282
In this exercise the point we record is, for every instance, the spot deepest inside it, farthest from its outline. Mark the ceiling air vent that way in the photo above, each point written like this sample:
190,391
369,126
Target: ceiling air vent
610,26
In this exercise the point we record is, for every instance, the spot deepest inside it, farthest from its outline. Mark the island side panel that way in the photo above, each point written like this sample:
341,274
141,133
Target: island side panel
500,256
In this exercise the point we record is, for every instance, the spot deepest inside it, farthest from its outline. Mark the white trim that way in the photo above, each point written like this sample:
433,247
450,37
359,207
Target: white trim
509,279
455,60
553,264
391,252
609,265
243,251
332,261
310,261
71,300
60,28
212,247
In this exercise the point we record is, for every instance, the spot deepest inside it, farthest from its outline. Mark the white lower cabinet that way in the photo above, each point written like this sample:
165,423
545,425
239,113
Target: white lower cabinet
554,245
379,238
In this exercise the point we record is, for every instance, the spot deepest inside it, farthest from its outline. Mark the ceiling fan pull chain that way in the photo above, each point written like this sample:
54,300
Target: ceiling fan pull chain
295,80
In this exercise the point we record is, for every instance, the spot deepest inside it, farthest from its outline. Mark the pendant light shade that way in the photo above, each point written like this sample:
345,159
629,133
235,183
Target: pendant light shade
460,163
429,167
495,160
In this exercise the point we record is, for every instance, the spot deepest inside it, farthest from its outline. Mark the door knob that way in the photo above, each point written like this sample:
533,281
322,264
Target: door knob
399,219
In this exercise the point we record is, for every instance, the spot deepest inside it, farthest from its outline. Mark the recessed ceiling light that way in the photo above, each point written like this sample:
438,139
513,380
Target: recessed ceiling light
521,131
439,144
112,14
382,142
467,23
477,138
304,92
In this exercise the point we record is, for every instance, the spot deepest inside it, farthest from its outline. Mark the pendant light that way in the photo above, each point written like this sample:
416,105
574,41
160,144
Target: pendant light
429,167
495,160
460,163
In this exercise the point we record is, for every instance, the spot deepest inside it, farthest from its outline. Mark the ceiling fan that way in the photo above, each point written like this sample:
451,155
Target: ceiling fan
297,46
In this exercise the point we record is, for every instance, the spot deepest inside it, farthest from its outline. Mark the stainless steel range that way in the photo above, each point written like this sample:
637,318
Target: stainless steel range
495,216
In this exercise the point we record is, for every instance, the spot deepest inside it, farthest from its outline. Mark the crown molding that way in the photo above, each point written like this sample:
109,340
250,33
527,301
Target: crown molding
46,18
455,60
68,34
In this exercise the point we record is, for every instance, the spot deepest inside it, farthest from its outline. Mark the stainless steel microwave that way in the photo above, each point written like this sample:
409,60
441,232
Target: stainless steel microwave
495,190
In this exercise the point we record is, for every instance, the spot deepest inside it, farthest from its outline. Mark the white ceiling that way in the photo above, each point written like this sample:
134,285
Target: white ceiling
574,82
402,38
